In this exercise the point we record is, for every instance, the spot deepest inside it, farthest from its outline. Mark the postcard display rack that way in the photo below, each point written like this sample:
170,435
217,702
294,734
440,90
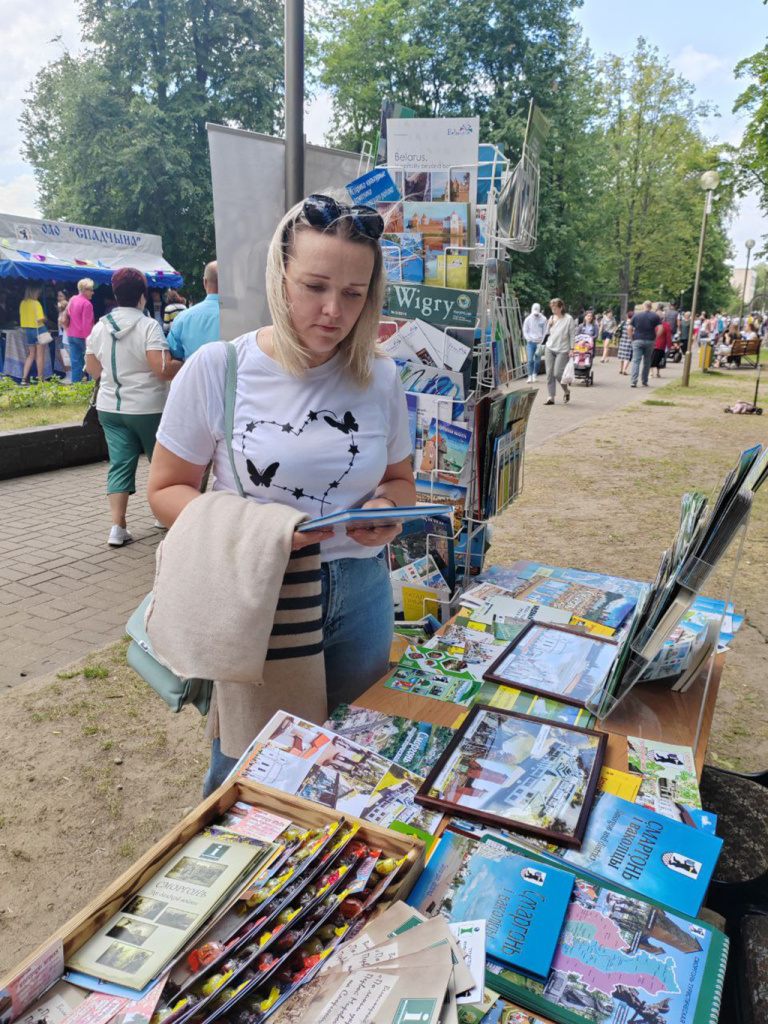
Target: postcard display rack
498,359
627,697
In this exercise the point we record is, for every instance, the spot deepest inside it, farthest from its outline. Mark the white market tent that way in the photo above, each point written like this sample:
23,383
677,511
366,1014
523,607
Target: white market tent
54,250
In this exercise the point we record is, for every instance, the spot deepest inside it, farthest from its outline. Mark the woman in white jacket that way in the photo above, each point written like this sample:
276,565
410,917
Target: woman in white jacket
562,331
534,332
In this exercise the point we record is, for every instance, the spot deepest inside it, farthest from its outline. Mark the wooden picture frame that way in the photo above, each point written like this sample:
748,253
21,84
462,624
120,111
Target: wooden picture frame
493,674
572,838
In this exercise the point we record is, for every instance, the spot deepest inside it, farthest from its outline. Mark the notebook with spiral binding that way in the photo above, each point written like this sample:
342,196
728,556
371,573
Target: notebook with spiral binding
620,959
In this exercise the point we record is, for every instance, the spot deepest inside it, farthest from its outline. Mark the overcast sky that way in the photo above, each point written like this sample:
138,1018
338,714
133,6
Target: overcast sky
704,38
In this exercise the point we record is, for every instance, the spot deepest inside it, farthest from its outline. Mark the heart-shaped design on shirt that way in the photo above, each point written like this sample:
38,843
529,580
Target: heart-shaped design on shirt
346,424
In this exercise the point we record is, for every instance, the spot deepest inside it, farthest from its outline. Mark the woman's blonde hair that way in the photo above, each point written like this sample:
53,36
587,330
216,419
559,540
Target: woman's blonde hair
358,349
85,284
32,291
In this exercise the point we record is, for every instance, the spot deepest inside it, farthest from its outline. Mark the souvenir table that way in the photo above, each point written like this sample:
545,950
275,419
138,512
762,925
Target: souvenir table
652,713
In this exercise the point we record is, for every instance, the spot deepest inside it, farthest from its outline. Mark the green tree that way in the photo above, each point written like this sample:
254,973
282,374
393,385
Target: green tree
117,135
652,155
752,155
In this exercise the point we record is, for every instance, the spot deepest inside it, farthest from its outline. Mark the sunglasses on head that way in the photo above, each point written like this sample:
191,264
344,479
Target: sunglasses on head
322,211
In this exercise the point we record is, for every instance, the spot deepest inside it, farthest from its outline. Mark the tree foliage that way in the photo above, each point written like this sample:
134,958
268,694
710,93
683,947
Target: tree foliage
752,156
620,204
117,136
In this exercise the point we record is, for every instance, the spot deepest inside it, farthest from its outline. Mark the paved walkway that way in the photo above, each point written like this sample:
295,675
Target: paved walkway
64,593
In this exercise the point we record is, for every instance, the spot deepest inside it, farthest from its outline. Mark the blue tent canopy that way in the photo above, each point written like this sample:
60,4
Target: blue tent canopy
34,270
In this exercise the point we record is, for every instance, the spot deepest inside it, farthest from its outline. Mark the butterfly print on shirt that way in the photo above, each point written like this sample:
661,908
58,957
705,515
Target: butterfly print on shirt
347,424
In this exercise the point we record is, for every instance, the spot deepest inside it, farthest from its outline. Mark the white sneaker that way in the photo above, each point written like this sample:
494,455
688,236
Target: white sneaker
118,536
159,525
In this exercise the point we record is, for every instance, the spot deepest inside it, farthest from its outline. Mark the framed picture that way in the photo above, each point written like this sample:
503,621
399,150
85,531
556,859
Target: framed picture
521,773
554,661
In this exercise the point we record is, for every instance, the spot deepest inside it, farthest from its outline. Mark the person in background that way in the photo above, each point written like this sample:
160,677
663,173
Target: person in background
197,326
607,328
661,345
127,352
671,316
534,332
562,331
625,341
32,322
643,335
80,313
154,307
685,331
588,326
174,304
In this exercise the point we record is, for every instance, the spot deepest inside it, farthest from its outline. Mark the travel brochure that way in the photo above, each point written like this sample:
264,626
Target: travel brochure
522,901
410,744
310,761
137,942
517,772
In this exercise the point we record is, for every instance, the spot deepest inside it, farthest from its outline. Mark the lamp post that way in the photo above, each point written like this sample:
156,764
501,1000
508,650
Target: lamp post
294,102
709,182
750,245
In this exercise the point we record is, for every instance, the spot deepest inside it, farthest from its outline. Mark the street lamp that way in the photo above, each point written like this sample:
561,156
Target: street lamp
750,245
709,182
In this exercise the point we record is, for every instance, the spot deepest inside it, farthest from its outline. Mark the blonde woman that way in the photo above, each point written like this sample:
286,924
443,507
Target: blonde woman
32,322
320,424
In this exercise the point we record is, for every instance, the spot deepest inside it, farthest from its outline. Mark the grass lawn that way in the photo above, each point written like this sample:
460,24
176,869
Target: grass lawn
23,419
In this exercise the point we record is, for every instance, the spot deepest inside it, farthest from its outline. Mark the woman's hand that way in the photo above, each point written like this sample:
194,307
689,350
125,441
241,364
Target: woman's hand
376,536
303,540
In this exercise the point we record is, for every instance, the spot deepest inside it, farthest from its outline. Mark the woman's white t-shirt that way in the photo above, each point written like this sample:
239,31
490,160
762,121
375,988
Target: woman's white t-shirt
319,443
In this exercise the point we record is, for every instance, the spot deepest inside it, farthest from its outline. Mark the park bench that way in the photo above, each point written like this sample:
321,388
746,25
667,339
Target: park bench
747,351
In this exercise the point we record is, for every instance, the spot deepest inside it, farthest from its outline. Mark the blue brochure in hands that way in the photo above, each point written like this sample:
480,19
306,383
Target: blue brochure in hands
523,901
360,518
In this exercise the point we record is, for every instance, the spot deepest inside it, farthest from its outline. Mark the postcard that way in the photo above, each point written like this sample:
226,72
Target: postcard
516,772
609,609
440,224
245,820
314,762
413,745
445,450
556,662
668,772
417,187
509,698
444,307
455,688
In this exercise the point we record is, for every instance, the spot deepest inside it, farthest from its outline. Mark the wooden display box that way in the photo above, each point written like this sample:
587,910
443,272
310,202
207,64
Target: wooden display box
82,926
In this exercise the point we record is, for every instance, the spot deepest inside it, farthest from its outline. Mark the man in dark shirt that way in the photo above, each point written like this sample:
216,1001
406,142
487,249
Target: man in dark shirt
672,317
642,332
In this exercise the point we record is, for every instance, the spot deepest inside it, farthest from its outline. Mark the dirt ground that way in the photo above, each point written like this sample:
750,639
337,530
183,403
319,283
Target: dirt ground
96,768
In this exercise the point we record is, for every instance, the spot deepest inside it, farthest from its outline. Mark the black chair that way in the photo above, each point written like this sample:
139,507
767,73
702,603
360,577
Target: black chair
745,996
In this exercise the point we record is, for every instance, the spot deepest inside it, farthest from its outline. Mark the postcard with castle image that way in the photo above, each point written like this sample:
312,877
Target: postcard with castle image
620,960
440,224
507,769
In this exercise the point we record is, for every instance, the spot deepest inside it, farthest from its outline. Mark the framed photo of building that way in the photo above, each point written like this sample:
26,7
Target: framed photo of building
557,662
515,772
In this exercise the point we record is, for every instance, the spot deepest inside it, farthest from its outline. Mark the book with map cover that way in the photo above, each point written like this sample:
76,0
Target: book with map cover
620,959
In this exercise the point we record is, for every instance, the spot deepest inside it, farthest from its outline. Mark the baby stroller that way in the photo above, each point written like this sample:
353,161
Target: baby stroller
583,357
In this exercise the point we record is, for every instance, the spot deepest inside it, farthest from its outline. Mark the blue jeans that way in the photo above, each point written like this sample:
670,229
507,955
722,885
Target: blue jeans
77,358
358,623
532,360
641,353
